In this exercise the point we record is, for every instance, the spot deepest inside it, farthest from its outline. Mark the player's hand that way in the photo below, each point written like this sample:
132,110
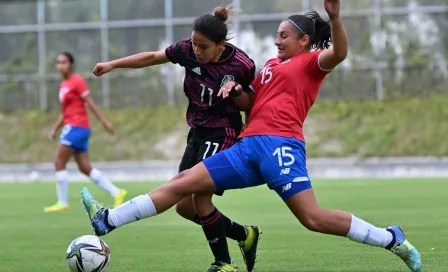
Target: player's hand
52,134
227,88
333,8
108,127
102,68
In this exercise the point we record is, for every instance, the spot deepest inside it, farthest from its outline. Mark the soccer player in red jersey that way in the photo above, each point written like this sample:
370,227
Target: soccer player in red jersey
215,123
75,98
272,147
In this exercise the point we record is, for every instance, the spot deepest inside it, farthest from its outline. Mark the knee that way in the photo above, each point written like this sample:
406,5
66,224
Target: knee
59,164
84,169
185,210
203,204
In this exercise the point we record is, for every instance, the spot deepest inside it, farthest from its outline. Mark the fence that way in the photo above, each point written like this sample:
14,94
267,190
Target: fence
397,47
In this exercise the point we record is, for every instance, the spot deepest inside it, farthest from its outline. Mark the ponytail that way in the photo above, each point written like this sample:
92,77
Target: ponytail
314,26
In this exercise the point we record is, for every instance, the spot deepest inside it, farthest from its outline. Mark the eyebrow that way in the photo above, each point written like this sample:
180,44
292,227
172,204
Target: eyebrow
200,44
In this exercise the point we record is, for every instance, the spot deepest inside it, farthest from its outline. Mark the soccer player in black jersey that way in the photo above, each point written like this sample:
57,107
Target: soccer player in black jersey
209,63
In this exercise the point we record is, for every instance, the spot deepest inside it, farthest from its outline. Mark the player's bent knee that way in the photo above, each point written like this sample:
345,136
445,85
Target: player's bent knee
184,211
86,171
203,204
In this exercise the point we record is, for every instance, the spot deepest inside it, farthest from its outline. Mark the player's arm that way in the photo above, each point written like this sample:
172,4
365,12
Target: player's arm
93,107
140,60
331,57
59,123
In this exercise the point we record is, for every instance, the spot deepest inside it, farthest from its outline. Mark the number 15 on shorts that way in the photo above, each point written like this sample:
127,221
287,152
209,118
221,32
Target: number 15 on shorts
285,158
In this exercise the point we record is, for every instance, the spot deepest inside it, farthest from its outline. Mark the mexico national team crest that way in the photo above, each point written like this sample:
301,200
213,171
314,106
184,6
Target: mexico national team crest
227,78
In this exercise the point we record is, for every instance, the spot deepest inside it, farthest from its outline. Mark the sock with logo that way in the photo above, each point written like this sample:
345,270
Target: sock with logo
215,232
366,233
133,210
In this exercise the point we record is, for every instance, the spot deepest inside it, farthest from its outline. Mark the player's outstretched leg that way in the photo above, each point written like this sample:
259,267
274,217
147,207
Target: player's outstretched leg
305,207
99,178
103,220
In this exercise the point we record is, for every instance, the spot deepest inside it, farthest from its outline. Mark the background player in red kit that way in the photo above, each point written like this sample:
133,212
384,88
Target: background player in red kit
215,122
272,148
74,140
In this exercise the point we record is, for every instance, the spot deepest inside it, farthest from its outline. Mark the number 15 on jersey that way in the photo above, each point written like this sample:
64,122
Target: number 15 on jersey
266,75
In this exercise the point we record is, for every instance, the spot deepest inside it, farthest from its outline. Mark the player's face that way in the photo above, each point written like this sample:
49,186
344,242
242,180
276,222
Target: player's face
289,42
205,50
63,65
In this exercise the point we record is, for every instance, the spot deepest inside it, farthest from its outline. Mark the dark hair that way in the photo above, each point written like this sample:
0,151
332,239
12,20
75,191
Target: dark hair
214,26
69,56
313,25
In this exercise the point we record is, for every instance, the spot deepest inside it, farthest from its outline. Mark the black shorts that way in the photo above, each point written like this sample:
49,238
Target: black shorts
206,142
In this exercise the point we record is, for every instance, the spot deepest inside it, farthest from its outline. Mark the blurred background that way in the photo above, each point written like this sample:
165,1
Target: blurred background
387,98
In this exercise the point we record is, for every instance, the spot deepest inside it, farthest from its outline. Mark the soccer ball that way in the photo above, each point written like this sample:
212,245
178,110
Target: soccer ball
88,253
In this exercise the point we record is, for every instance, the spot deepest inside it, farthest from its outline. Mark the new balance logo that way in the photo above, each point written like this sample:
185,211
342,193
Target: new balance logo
285,171
213,241
286,187
197,70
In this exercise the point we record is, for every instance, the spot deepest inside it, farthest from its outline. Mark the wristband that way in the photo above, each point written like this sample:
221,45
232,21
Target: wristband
234,92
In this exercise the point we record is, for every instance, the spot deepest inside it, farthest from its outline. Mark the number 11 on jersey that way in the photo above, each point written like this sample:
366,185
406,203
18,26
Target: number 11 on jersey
210,94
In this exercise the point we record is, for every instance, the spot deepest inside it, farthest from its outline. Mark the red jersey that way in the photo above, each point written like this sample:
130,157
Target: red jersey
71,96
283,94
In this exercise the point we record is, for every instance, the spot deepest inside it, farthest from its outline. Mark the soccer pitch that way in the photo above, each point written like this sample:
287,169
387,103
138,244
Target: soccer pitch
32,240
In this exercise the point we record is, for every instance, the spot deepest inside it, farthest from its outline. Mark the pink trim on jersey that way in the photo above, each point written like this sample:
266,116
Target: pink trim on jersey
230,55
244,60
229,140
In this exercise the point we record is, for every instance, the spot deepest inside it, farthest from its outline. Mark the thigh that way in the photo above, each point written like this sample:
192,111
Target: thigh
63,154
282,163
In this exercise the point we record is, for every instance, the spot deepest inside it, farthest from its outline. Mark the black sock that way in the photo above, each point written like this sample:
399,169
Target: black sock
197,219
215,232
234,230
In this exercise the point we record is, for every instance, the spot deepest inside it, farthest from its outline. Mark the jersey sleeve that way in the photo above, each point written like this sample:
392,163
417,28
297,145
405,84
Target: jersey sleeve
313,65
248,77
177,53
81,87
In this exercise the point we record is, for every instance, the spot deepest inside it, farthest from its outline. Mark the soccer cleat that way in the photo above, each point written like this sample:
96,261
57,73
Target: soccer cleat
222,267
120,198
97,213
249,246
58,207
401,247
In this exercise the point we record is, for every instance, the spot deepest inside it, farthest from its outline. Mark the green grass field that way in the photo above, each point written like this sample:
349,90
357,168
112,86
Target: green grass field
34,241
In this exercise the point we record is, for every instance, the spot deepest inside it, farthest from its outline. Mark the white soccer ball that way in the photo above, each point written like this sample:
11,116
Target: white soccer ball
88,253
